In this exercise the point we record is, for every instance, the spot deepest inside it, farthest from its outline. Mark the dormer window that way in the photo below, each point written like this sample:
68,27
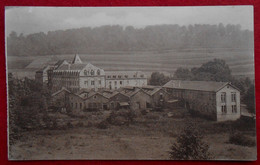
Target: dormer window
85,72
98,72
92,72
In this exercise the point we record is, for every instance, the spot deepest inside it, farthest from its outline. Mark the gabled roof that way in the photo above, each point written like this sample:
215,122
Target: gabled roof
73,67
76,60
61,90
60,62
152,91
96,93
197,85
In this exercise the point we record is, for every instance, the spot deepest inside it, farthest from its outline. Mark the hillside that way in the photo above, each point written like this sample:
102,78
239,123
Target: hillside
241,62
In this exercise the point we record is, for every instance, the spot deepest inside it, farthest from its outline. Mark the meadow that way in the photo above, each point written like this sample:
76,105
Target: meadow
149,136
241,62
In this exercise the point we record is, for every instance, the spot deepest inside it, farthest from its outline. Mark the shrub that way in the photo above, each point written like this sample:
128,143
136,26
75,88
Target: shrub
143,112
240,139
69,125
103,125
79,124
189,145
121,117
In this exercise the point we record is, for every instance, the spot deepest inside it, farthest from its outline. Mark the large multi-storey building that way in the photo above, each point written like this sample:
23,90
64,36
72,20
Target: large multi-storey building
217,100
79,75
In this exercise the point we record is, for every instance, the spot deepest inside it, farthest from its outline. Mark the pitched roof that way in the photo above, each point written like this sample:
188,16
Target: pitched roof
76,60
77,67
151,91
60,62
196,85
62,89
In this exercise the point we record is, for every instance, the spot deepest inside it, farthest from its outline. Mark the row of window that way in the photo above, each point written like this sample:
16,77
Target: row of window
65,82
223,97
92,72
123,76
224,109
63,73
91,82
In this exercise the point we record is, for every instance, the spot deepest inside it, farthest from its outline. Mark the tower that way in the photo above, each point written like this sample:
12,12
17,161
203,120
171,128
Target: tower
76,60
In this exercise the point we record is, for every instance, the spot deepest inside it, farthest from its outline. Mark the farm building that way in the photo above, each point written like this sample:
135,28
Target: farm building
158,95
217,100
60,98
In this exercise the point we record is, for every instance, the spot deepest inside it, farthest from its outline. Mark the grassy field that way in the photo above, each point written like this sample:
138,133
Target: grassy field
148,137
241,62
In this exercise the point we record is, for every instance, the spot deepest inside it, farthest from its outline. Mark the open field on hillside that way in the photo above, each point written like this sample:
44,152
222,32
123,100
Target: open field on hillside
148,137
241,62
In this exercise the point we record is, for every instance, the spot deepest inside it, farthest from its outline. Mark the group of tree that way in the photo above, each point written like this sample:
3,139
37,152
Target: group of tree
27,104
119,38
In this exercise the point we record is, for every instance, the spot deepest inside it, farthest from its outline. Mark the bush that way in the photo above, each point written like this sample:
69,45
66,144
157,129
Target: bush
79,124
143,112
121,117
69,125
189,146
103,125
239,139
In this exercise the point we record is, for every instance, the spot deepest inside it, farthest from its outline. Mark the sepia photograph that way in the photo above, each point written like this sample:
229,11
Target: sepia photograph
130,83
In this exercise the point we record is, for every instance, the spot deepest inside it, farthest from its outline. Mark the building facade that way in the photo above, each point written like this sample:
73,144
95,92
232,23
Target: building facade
79,75
219,101
118,79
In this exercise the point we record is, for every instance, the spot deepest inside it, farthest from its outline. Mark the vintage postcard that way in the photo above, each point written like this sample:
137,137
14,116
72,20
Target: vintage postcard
130,83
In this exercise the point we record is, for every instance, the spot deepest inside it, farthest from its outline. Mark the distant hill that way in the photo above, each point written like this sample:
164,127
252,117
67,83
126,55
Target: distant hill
103,39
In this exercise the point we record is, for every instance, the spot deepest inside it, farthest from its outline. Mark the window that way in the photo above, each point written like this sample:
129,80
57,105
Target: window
108,76
98,72
142,75
119,76
223,97
161,96
92,72
126,76
76,105
92,82
85,72
86,82
95,97
234,108
121,82
115,82
233,97
80,105
224,109
114,76
99,82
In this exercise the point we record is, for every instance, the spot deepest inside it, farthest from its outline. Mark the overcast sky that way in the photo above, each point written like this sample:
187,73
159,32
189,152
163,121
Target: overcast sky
43,19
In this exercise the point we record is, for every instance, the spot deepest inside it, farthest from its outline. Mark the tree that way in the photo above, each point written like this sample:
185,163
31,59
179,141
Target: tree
189,145
158,79
216,70
183,74
249,99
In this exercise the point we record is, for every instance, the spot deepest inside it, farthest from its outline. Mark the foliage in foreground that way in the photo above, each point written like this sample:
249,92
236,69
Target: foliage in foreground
189,145
240,139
